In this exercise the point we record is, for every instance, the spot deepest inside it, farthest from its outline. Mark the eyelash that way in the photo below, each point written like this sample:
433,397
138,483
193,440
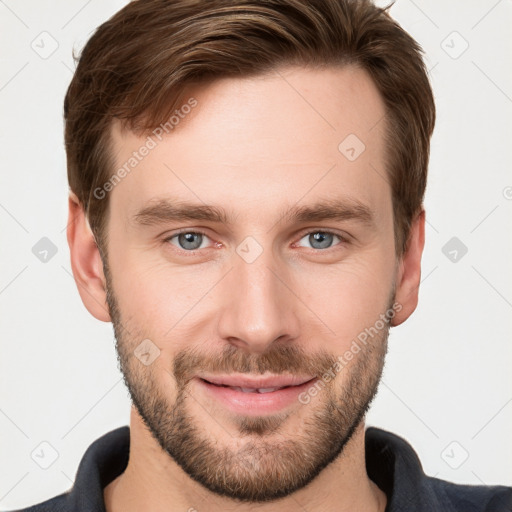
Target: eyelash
343,239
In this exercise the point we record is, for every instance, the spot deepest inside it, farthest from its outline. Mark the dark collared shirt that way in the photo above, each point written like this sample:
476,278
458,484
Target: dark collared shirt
391,463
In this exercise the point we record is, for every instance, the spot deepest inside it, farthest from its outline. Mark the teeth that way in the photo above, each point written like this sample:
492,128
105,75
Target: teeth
252,390
245,390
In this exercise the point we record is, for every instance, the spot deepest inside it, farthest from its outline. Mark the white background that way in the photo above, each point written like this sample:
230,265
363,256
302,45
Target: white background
447,377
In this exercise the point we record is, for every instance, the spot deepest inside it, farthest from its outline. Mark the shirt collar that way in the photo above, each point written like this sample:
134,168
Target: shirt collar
105,459
394,466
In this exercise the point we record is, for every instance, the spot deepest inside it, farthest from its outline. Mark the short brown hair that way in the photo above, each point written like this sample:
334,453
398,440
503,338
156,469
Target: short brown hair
137,65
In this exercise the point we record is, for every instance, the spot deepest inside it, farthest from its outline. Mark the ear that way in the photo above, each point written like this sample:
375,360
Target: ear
409,272
86,261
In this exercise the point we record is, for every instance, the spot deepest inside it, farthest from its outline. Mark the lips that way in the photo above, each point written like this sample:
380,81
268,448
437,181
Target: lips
253,396
257,384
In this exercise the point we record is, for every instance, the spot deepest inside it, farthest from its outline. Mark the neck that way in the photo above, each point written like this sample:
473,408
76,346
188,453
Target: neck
153,481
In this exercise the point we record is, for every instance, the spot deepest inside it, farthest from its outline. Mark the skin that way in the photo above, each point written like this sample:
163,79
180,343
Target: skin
255,147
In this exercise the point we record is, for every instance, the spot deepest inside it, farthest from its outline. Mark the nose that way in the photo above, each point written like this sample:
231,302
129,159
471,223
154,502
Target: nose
259,308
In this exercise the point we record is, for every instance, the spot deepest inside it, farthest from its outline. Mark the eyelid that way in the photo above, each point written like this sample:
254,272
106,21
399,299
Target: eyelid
308,231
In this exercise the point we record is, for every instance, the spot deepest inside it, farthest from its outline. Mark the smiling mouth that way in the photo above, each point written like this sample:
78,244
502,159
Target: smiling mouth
255,390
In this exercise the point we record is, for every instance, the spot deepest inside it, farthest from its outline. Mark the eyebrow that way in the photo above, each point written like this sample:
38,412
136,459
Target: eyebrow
166,210
331,209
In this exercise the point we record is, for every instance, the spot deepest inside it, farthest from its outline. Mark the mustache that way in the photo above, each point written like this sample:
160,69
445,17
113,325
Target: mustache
278,360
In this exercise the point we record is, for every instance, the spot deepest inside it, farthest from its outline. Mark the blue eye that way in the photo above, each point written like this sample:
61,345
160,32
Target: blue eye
189,240
193,240
320,239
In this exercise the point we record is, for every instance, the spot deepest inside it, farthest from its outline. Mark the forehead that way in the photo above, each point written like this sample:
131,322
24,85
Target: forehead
260,142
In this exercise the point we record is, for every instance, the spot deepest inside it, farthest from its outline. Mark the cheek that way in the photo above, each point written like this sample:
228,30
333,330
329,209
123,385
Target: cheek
350,297
161,300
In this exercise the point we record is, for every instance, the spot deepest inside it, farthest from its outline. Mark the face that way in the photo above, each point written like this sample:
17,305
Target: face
248,242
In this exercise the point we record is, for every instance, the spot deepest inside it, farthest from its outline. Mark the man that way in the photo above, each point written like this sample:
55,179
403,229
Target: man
246,182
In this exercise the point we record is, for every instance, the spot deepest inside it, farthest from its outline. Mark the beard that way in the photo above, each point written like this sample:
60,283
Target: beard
259,466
